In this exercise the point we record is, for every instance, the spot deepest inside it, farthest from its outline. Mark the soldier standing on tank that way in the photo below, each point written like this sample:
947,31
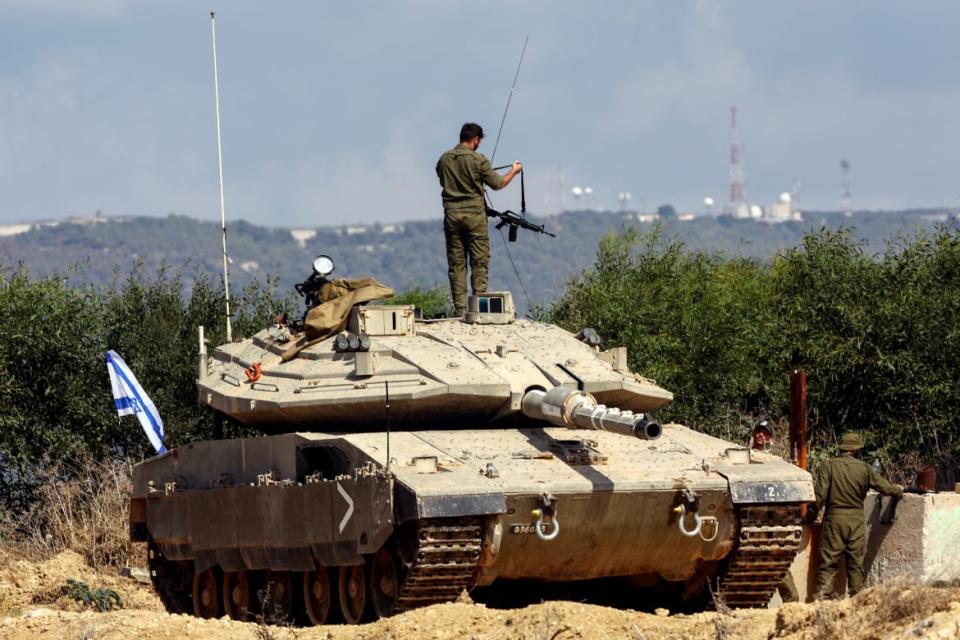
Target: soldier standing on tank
463,173
761,440
841,488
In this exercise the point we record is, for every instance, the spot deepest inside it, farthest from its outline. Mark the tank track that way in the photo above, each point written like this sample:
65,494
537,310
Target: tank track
444,563
770,536
173,581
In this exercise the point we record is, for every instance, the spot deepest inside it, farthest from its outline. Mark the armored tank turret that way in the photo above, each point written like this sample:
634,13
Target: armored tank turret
407,460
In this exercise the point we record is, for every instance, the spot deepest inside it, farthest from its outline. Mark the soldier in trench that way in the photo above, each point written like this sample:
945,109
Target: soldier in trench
761,440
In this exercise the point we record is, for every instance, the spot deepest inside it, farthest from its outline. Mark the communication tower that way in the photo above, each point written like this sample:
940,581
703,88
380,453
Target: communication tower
738,197
846,200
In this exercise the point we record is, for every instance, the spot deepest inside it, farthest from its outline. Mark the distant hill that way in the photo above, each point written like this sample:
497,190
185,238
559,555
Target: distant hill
403,255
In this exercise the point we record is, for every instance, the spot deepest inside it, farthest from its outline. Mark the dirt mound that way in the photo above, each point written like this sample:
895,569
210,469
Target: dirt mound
31,606
895,610
553,620
25,584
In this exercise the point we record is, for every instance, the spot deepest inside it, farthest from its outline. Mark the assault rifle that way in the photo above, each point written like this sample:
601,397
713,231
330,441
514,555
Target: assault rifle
513,220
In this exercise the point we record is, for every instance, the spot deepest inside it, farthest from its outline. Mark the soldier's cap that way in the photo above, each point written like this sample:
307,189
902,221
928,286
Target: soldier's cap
851,441
763,425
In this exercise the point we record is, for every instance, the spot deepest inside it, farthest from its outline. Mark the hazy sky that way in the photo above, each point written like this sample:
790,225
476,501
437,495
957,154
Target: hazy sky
335,112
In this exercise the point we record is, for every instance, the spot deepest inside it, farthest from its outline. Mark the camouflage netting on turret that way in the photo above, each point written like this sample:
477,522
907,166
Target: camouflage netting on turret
331,315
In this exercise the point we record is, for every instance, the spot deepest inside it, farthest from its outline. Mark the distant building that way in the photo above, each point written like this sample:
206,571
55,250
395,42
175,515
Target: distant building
783,210
739,210
302,235
14,229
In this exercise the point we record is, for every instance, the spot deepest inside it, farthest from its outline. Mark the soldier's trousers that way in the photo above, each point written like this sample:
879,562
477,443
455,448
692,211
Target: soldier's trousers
844,534
788,589
466,234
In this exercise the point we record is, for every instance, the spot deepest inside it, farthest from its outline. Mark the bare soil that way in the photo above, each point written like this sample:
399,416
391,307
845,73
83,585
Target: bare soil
32,606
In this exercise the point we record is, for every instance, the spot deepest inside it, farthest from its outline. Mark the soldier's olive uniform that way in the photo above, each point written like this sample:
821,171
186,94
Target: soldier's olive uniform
841,487
463,173
788,589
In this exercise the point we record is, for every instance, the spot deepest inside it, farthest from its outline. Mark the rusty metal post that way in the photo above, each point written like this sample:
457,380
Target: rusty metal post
798,418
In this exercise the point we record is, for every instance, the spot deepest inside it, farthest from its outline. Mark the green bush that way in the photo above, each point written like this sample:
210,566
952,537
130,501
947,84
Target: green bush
55,398
877,334
432,302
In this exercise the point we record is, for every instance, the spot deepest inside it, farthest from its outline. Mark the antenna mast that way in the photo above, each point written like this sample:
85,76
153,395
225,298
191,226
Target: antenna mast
386,388
223,214
738,199
509,98
846,200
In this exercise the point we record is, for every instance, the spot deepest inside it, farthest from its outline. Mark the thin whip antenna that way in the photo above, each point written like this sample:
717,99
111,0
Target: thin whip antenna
223,214
506,110
386,386
509,98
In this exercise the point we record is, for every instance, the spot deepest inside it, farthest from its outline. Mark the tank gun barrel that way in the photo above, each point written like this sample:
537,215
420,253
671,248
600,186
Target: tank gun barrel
578,410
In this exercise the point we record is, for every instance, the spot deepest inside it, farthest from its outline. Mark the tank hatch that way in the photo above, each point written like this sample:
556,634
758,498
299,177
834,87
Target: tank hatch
493,307
382,320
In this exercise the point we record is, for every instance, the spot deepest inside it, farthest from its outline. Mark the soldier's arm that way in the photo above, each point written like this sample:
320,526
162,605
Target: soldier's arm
490,177
884,486
822,486
509,175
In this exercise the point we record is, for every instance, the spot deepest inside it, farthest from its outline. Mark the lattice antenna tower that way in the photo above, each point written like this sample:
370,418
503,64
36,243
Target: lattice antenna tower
738,197
846,200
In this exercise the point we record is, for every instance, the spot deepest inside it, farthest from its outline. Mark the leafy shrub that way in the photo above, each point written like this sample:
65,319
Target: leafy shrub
432,302
55,399
877,334
100,599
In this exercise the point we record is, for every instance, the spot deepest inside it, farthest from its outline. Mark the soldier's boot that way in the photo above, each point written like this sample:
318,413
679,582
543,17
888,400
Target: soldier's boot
823,594
459,312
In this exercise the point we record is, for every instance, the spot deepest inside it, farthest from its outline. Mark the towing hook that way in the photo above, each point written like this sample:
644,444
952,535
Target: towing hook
681,511
690,503
548,508
699,521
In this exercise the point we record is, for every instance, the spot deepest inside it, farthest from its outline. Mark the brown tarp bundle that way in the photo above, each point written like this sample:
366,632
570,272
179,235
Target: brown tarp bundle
330,317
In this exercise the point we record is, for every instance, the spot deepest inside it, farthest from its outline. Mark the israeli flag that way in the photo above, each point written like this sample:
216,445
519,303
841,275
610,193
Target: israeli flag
131,399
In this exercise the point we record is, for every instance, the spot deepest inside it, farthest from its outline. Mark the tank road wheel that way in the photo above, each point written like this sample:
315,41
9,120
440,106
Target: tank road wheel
352,591
384,583
206,594
277,602
236,595
317,595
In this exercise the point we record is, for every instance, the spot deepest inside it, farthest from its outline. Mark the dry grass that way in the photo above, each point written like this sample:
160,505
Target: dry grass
85,509
723,622
900,600
879,612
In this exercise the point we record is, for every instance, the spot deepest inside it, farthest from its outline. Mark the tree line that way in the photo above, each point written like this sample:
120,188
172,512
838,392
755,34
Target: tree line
876,332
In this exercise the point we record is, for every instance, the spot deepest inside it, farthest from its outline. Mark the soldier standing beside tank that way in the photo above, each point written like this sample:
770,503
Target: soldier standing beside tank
463,173
761,440
841,487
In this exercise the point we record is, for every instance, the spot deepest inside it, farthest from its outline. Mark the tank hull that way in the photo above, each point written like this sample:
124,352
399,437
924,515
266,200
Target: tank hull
485,502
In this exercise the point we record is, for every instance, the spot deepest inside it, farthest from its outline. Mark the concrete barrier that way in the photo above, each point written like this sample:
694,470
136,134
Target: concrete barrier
922,543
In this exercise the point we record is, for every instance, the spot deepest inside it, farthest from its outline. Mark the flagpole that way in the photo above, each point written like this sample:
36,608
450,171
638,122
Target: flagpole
223,214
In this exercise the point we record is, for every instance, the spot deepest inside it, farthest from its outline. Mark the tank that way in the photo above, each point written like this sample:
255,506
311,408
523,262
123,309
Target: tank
404,461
